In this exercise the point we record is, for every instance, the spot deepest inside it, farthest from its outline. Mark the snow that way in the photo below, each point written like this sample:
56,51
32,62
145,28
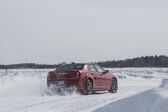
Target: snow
164,84
148,101
140,90
154,100
22,84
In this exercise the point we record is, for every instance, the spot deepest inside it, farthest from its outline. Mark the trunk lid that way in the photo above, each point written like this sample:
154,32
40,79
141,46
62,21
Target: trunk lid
67,74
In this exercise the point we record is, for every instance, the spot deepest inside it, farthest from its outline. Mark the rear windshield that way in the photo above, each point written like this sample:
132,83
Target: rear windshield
71,67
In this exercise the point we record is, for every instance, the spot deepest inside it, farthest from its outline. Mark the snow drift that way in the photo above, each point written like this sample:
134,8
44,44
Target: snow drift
164,84
22,84
154,100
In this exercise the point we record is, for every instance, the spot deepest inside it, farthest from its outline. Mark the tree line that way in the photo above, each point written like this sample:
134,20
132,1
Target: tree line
144,61
28,66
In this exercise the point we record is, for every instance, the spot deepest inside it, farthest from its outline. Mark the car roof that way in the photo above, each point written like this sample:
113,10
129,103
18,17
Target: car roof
82,63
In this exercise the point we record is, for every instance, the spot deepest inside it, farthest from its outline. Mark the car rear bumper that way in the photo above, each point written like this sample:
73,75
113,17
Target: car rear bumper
67,83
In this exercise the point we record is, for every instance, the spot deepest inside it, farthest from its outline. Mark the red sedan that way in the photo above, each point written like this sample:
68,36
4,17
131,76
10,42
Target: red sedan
88,78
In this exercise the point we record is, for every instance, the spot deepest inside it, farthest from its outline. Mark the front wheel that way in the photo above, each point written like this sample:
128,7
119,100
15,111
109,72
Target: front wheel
114,86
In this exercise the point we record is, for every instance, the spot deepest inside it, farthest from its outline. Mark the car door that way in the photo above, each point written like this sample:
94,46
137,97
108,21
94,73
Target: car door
96,76
100,72
105,78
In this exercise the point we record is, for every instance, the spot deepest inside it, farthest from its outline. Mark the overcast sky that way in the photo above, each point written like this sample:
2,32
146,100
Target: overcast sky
54,31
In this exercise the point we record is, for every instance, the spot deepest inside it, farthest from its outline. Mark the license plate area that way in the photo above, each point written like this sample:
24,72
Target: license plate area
60,82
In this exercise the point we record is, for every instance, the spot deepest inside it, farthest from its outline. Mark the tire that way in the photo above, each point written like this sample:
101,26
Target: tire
114,86
88,87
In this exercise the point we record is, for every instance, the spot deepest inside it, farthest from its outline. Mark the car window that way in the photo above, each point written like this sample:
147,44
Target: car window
71,67
92,68
99,69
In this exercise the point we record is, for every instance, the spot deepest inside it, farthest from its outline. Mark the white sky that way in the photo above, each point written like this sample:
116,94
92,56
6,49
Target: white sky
54,31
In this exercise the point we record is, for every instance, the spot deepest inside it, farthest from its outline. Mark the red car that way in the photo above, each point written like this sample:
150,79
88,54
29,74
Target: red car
87,78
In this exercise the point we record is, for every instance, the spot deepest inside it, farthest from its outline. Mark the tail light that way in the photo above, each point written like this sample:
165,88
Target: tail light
78,74
50,75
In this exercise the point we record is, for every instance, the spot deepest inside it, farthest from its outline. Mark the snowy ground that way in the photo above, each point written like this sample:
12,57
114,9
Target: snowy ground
140,90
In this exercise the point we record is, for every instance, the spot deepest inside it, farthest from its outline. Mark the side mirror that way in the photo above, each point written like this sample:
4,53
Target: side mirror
106,71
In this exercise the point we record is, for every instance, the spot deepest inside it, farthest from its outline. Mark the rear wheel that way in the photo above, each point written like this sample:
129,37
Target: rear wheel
114,86
88,88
